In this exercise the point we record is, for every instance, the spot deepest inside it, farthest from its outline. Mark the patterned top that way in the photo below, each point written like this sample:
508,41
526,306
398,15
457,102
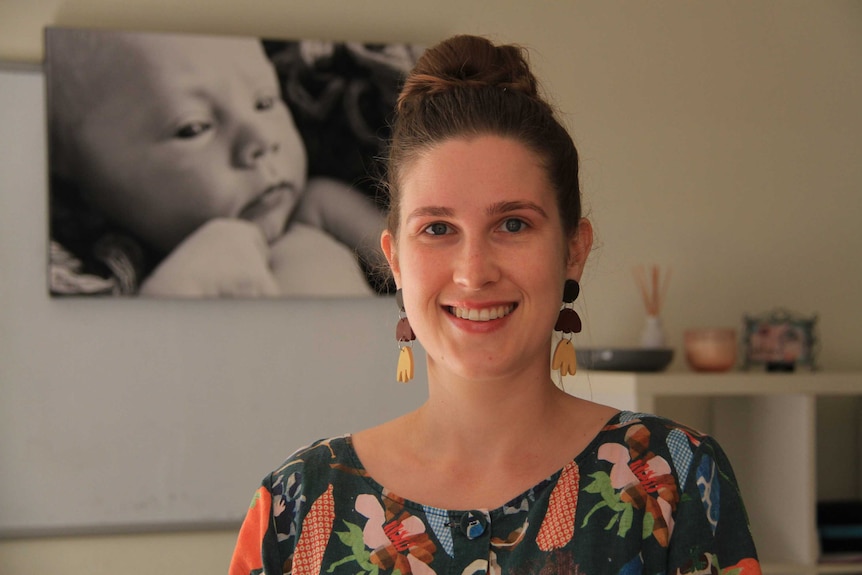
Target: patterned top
647,496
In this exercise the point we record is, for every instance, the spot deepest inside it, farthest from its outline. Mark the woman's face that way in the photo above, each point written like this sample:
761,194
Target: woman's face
481,257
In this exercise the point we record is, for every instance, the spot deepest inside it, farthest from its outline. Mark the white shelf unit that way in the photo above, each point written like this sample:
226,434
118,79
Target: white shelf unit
768,424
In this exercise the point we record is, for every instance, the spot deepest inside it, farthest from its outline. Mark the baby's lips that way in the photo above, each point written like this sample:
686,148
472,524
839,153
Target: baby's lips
271,210
271,198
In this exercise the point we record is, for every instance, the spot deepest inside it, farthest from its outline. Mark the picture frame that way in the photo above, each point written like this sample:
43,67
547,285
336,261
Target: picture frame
189,165
780,340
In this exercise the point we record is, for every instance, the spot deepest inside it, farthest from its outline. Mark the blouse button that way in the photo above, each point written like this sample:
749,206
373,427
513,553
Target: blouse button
473,524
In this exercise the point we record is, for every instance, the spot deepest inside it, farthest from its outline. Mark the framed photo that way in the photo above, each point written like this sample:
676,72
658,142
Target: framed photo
189,165
780,341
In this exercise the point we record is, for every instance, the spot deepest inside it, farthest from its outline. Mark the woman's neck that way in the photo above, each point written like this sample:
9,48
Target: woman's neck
477,444
461,415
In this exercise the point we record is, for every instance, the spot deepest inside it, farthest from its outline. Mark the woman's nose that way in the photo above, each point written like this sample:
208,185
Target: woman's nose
477,264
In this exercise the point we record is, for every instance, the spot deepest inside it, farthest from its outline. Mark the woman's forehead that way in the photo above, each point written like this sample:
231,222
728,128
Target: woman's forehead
488,169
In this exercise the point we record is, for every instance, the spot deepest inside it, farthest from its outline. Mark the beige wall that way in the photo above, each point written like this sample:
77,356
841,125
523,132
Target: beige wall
722,139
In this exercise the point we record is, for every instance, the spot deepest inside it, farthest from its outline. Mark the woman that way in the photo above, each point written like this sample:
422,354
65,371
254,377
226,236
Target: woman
499,471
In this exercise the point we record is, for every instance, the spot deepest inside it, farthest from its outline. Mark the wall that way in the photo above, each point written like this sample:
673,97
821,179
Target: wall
721,139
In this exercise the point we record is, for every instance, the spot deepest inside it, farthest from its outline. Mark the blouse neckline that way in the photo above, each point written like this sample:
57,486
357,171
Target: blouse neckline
535,490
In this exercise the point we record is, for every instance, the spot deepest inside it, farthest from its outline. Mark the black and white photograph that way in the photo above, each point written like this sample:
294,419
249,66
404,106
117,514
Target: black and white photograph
196,166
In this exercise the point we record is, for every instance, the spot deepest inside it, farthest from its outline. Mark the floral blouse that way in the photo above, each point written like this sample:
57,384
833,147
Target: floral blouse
647,496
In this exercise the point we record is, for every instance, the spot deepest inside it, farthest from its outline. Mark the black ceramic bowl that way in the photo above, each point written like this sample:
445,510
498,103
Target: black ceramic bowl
624,359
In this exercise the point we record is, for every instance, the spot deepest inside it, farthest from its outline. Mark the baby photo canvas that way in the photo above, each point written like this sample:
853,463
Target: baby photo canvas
196,166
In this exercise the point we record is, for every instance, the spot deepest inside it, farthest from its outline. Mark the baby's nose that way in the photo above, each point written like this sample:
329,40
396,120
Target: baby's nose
255,143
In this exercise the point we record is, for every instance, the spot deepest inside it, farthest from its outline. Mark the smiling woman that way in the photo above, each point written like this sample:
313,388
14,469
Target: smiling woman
491,198
499,471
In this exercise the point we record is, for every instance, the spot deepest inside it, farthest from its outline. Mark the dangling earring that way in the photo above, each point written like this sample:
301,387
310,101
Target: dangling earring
568,323
404,336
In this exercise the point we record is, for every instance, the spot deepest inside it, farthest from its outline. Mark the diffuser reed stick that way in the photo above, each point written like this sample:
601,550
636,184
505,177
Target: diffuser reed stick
653,287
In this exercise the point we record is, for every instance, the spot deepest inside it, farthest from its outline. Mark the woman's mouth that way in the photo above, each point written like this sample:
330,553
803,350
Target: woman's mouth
482,314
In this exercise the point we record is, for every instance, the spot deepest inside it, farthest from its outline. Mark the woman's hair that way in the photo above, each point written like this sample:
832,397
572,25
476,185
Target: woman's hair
466,86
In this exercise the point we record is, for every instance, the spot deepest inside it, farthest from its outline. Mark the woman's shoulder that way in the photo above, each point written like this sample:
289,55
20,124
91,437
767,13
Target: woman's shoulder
654,440
657,423
315,458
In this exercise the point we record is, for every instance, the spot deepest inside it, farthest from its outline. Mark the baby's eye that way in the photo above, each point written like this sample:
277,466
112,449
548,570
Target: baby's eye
264,103
192,130
513,225
437,229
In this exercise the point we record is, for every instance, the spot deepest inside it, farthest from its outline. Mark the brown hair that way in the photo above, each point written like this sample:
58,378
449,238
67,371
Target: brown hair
467,86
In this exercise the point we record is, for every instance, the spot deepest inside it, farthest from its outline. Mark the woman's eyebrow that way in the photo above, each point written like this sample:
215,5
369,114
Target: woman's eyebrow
513,206
431,211
494,209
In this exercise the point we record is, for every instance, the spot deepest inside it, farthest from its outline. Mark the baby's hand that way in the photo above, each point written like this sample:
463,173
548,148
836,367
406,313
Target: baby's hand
224,257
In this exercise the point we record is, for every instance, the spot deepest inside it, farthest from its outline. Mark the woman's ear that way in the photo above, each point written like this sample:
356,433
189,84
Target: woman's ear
580,244
387,244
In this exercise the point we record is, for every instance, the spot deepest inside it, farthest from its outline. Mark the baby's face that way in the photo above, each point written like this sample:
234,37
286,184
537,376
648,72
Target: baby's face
187,129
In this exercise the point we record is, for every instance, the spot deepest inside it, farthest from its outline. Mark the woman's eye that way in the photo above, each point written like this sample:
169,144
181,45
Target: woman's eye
192,130
264,103
513,225
437,229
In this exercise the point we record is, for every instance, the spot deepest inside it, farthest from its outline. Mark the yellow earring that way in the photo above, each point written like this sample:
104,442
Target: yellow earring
565,359
404,336
405,364
568,323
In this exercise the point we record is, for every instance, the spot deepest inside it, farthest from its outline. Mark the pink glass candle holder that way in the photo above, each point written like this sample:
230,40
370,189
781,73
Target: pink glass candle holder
710,349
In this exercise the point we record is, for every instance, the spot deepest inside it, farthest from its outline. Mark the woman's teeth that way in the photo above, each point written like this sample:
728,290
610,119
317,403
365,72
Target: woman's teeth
484,314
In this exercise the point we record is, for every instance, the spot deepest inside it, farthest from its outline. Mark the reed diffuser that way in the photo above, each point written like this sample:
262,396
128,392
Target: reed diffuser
652,284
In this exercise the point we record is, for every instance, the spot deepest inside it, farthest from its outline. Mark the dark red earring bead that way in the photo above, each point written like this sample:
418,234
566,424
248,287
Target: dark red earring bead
568,321
403,331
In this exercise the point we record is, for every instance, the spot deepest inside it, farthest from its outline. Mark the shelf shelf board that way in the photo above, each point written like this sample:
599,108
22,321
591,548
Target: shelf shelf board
779,568
732,383
840,568
776,568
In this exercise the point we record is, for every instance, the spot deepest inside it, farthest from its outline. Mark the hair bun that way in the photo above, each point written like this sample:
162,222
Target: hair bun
466,87
469,62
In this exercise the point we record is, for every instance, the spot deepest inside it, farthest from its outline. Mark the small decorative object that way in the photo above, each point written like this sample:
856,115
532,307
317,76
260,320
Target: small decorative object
780,340
710,349
653,289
